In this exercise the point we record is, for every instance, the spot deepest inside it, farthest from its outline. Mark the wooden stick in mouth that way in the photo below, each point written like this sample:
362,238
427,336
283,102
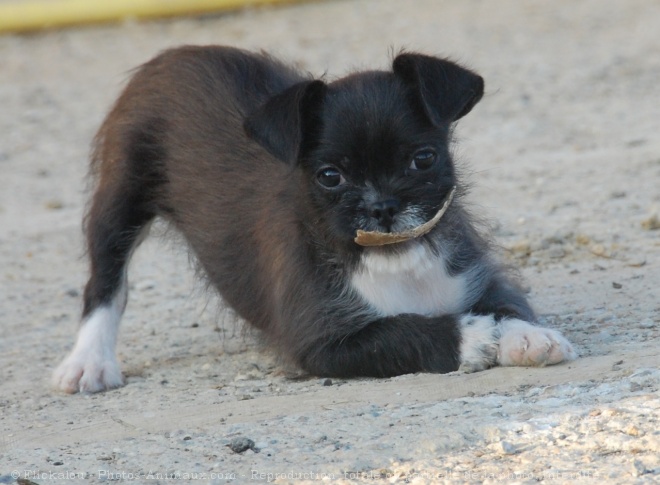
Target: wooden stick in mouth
373,238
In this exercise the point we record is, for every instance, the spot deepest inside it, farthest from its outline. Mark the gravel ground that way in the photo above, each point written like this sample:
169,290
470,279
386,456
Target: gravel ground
564,153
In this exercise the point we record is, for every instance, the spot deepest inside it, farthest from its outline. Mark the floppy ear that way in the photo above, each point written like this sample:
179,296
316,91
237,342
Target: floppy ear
446,90
288,123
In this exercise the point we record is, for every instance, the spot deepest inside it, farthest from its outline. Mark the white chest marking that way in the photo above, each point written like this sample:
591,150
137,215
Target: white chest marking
414,281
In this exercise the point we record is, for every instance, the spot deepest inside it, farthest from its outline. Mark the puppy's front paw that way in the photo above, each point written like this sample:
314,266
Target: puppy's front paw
524,344
86,372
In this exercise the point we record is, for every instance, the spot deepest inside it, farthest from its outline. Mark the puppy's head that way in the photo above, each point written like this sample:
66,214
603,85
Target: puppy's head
373,147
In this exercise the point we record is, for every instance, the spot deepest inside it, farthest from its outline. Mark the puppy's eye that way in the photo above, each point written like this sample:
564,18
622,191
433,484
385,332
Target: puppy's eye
423,160
330,177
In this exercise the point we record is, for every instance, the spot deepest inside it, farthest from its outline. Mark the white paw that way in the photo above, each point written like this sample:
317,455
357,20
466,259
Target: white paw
87,372
479,342
92,365
524,344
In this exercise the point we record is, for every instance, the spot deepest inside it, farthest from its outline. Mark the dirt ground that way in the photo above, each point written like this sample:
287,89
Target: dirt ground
564,154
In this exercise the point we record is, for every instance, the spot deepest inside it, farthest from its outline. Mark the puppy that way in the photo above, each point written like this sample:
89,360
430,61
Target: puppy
269,175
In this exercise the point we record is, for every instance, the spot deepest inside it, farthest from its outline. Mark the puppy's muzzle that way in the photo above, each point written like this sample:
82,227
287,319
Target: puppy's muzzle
385,212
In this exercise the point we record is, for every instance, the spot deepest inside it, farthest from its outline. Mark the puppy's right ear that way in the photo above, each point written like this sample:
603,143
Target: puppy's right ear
288,124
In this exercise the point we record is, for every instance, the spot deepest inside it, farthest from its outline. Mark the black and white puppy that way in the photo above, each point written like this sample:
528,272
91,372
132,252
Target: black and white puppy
269,174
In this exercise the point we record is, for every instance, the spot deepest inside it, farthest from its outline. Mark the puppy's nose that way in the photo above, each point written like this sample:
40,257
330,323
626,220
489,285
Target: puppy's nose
384,211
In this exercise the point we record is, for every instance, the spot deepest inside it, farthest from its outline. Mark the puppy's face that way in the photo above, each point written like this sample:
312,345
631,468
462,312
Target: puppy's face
372,147
378,163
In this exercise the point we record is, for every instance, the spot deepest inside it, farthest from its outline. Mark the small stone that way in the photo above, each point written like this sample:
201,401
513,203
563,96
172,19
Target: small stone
145,285
505,448
327,382
638,468
637,142
599,250
636,262
647,323
242,444
23,481
633,430
582,239
556,252
616,286
523,247
54,204
652,223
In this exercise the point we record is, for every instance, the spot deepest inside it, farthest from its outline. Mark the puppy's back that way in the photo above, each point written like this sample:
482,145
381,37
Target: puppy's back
175,142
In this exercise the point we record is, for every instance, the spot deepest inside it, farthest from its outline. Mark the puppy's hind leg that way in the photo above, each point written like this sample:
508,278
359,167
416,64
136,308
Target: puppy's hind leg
116,224
92,365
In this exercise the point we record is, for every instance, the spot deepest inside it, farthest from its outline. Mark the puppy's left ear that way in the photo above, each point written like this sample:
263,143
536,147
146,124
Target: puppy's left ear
446,90
288,123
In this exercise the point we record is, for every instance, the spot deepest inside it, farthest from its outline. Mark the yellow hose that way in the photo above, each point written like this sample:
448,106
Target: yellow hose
33,15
